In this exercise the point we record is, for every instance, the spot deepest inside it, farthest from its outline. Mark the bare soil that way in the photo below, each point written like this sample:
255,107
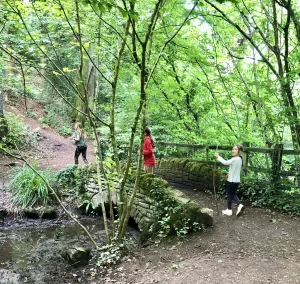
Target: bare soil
51,150
261,246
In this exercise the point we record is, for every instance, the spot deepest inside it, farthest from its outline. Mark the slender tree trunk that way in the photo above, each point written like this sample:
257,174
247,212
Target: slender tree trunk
281,68
126,213
283,72
113,97
142,64
3,124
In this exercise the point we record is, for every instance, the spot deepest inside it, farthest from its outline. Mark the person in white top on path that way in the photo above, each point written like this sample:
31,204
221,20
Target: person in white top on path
235,165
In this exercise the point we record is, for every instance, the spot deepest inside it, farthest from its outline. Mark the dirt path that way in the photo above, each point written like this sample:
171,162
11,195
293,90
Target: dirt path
259,247
51,150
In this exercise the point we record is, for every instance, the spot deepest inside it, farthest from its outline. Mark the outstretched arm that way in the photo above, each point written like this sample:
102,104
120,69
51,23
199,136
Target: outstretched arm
224,162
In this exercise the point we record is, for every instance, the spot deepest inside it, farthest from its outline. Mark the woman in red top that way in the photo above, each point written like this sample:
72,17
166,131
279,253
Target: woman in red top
148,152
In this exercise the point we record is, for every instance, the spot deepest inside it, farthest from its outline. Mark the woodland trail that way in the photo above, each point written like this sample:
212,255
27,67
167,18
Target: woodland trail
51,149
259,247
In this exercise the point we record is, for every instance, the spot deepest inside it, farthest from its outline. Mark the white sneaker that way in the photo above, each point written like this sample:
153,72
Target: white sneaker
240,210
227,212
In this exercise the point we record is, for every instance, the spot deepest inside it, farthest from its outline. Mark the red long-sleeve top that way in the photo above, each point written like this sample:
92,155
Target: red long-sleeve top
148,152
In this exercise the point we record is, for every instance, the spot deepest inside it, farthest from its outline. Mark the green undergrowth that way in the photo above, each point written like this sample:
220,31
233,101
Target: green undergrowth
71,178
28,189
262,191
18,135
171,217
57,116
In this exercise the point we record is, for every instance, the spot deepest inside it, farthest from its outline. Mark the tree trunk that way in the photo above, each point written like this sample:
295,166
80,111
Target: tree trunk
3,123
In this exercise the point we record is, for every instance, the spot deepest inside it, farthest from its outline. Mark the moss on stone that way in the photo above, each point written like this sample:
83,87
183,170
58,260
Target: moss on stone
182,163
174,163
91,168
188,167
194,168
146,180
170,211
48,213
163,163
157,184
157,163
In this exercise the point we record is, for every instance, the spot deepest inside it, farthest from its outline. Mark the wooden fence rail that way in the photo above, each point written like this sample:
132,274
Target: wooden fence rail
274,156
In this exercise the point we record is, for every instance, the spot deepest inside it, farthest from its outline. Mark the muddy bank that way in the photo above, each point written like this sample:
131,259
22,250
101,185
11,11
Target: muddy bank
31,250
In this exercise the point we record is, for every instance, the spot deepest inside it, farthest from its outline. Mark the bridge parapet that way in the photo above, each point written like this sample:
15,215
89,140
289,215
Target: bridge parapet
188,172
157,208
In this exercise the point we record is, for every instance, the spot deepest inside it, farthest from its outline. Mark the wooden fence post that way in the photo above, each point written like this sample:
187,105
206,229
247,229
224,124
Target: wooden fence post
276,161
245,155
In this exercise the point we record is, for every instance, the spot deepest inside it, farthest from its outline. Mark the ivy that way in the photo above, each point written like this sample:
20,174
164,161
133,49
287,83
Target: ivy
171,216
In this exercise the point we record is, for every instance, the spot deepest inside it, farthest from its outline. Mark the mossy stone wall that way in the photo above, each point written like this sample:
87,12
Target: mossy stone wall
157,206
184,171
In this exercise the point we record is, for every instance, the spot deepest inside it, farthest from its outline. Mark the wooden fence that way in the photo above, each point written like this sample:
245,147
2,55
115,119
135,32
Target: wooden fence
273,162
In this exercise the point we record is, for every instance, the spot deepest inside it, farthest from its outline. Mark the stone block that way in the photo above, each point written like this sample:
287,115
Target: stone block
96,200
149,200
147,211
192,177
145,221
133,211
140,196
178,179
49,213
150,215
92,185
77,256
143,205
206,217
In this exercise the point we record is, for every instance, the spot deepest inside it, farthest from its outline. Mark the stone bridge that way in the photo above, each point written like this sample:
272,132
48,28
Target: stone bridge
158,206
188,172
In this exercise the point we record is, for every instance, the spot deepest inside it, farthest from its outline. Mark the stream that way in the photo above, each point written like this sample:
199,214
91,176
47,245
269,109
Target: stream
30,250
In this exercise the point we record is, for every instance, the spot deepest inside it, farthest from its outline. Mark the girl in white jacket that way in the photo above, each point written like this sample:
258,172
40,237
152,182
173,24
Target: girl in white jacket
235,165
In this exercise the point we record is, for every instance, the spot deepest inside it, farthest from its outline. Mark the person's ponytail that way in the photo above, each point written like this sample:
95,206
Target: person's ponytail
240,148
242,160
148,133
152,142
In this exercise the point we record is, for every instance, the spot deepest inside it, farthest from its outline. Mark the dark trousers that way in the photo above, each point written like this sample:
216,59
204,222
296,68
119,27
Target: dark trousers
80,150
231,193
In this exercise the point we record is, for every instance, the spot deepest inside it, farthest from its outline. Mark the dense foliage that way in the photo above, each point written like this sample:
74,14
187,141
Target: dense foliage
230,73
208,72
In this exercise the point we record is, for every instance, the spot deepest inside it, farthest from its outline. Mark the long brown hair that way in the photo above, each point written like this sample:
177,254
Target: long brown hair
241,149
78,126
148,133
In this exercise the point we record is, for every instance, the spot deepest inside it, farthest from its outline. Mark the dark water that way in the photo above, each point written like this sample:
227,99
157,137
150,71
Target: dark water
20,247
31,250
